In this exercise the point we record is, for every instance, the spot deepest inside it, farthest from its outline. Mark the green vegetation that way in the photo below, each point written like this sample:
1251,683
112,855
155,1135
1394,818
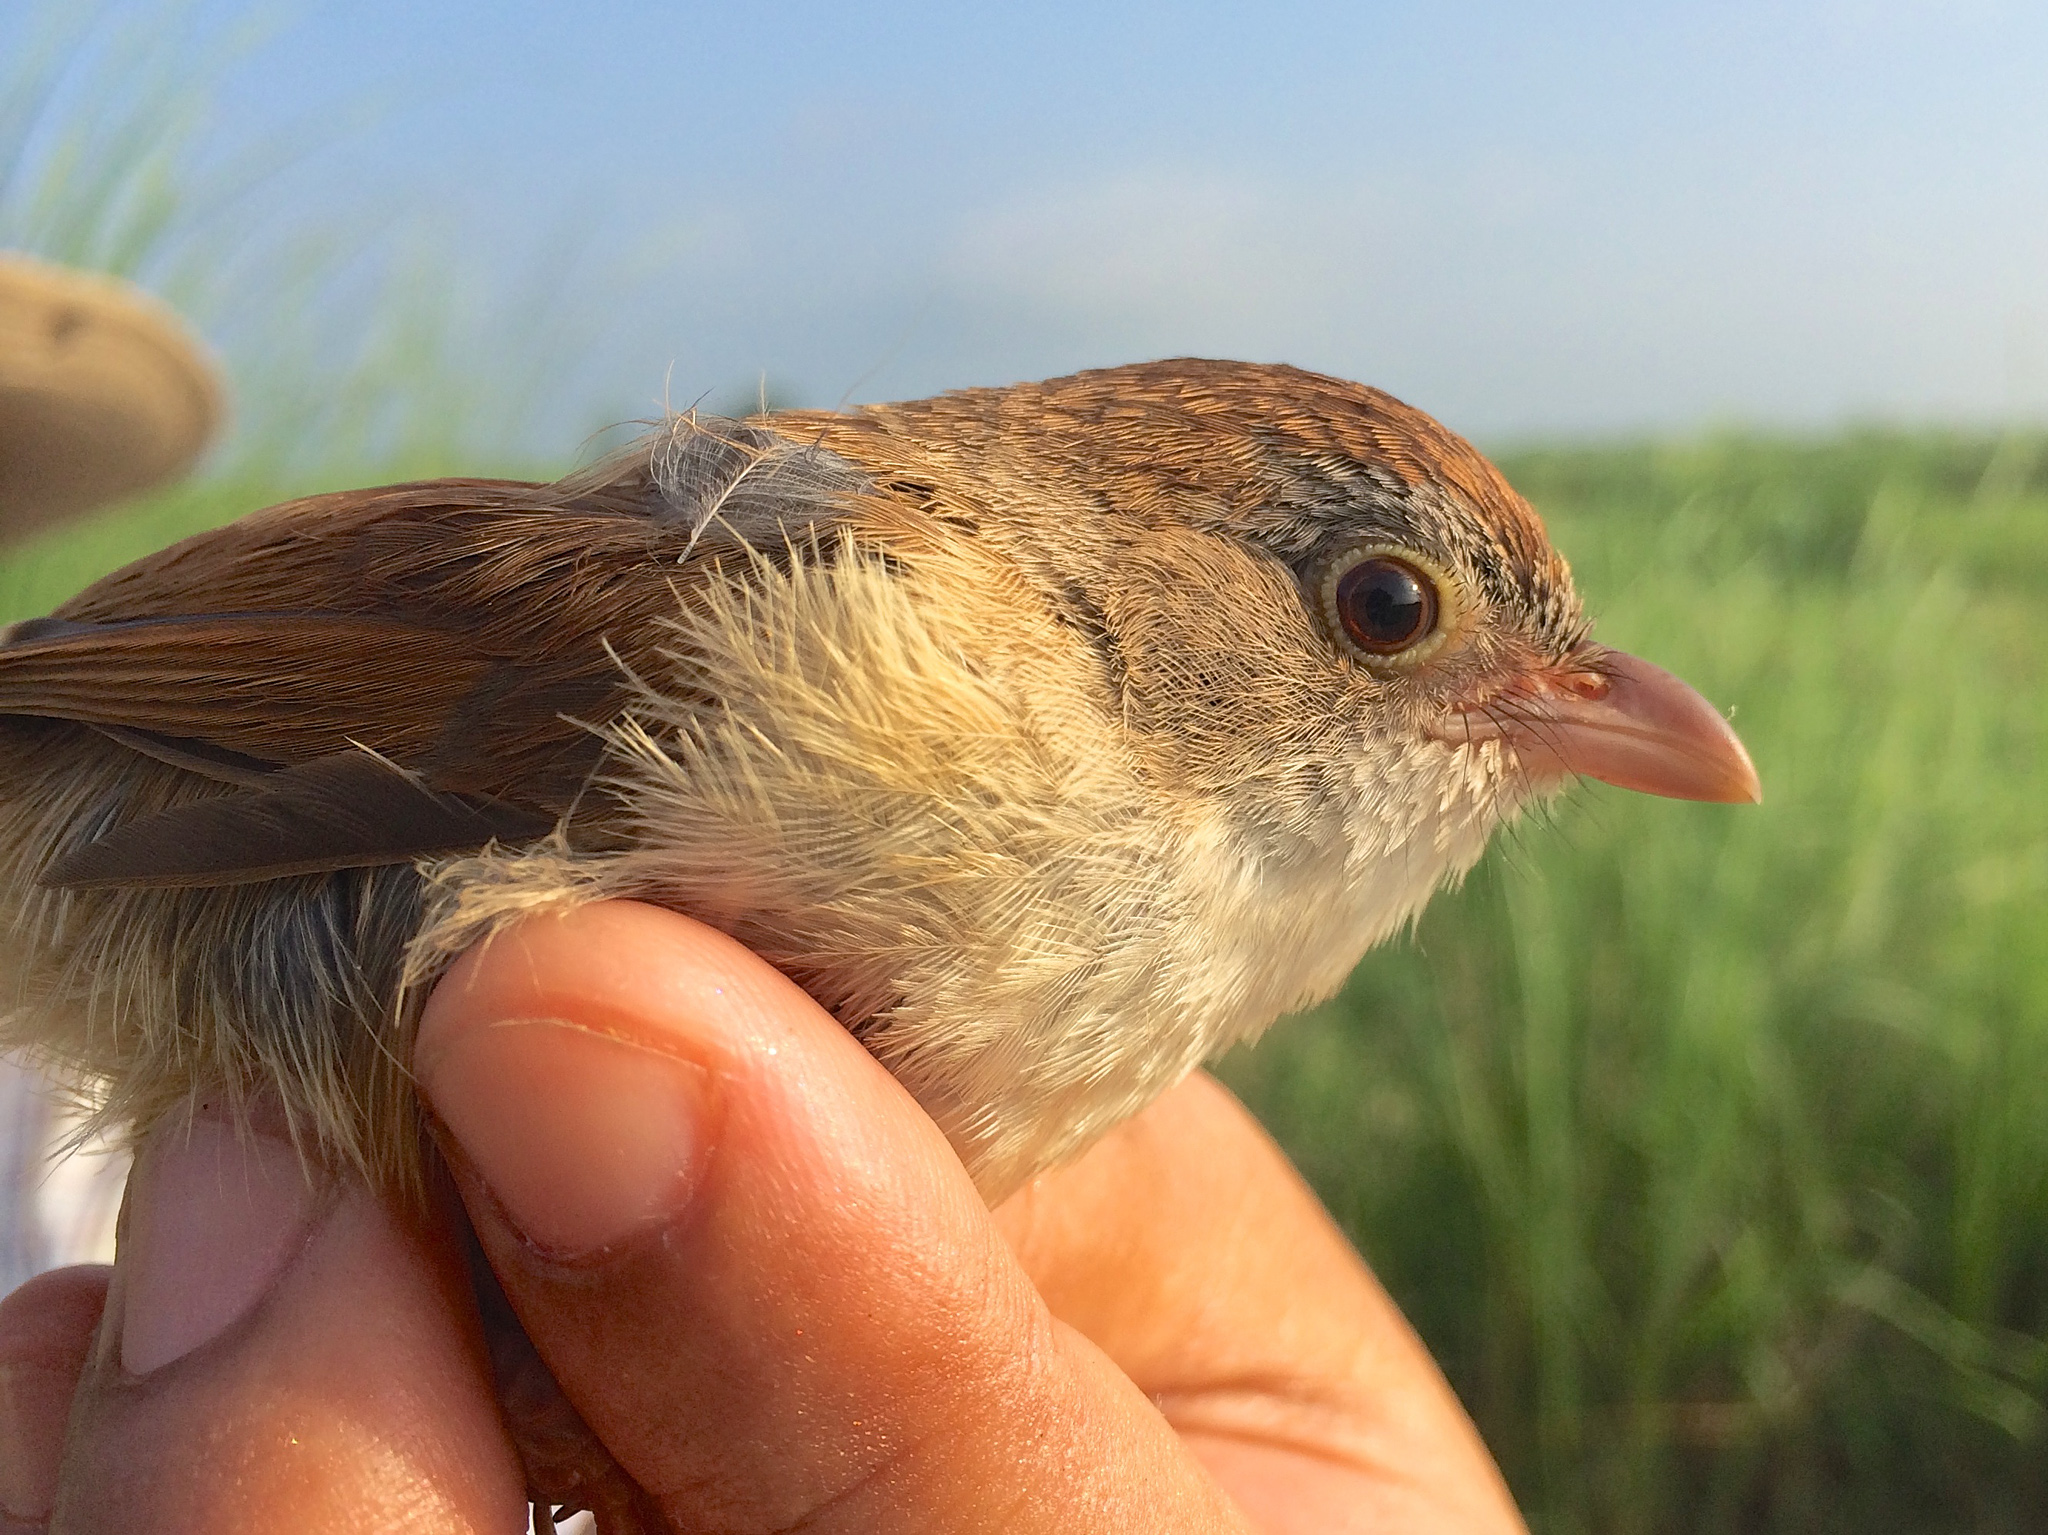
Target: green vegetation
1708,1147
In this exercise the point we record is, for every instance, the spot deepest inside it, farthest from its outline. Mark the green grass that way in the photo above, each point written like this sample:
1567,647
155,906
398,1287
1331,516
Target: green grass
1708,1147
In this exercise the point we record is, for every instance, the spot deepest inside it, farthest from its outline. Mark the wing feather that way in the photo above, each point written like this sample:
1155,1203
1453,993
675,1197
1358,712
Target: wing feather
351,810
468,633
278,687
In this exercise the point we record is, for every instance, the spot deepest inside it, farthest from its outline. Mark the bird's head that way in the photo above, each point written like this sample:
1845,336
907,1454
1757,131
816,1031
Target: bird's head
1317,605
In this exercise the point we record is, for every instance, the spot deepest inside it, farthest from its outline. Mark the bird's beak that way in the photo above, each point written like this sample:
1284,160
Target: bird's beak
1604,714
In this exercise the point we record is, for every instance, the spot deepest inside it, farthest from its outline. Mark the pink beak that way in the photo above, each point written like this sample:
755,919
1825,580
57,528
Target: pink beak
1609,716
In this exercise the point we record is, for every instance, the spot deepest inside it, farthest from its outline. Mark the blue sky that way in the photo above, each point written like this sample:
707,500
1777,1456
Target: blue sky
1576,217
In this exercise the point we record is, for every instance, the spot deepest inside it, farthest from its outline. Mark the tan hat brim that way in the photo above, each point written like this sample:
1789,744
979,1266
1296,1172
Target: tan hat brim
104,392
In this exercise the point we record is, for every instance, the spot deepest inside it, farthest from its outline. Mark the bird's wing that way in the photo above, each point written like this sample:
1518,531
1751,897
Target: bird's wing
385,674
348,810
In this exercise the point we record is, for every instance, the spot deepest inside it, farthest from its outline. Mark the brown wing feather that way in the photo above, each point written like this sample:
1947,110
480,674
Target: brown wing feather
281,687
350,810
467,631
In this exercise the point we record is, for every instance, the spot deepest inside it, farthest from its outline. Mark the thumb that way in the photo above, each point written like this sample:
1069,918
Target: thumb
754,1265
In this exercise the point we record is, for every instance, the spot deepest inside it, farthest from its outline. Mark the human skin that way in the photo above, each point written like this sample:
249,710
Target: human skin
762,1276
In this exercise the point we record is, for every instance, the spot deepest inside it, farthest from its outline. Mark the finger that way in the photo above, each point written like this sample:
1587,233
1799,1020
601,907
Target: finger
753,1264
1188,1249
46,1331
280,1351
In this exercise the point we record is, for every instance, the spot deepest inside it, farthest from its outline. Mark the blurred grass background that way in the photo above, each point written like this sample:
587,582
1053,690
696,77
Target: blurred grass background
1707,1147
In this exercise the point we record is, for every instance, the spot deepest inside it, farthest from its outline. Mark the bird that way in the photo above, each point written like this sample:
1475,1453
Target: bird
1055,737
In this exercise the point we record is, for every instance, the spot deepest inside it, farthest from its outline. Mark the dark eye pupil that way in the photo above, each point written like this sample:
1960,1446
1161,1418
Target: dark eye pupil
1385,605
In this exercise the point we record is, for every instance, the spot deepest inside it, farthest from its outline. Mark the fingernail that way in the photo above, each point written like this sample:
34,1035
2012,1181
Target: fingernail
215,1214
584,1138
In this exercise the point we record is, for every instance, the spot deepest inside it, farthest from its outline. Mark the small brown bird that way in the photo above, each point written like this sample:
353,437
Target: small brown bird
1055,737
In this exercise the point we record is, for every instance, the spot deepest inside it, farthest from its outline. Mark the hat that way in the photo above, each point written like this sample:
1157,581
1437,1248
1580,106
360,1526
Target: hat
104,392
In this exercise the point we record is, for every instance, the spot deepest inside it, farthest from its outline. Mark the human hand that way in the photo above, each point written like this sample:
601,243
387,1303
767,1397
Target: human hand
761,1275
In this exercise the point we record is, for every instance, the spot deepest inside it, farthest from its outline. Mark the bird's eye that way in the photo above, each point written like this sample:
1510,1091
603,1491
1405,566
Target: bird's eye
1384,605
